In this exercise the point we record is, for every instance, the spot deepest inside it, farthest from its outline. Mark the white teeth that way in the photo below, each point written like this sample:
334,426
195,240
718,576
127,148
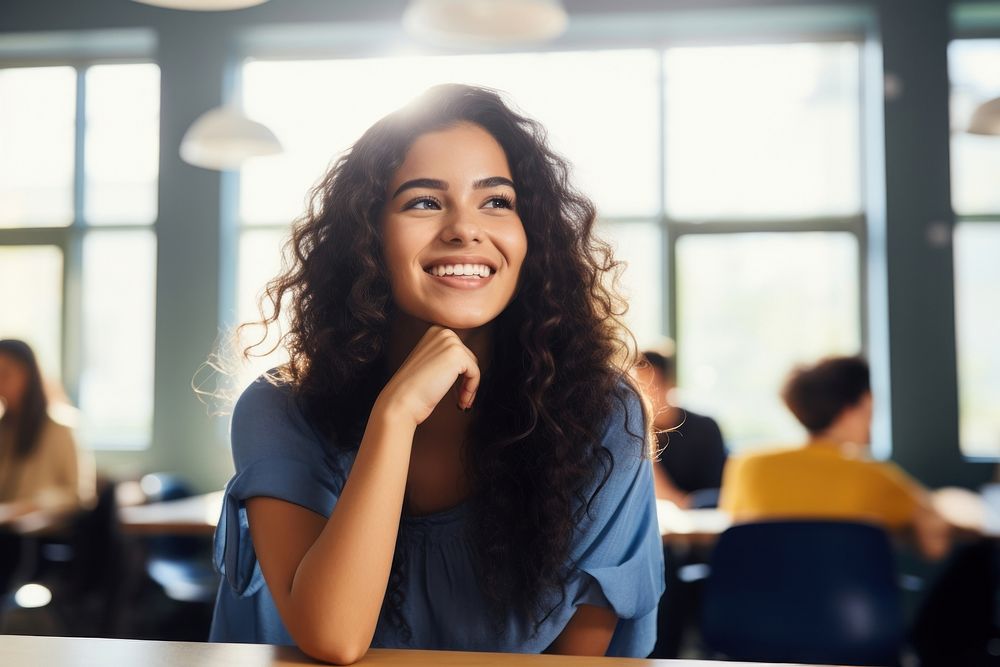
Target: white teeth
479,270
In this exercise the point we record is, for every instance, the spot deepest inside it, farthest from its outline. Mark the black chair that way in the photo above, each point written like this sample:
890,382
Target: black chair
804,591
181,565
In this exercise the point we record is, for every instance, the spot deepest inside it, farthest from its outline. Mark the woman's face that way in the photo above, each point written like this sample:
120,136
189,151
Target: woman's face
454,243
13,382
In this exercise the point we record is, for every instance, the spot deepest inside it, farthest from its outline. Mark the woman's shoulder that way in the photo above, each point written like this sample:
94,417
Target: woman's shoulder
267,420
58,426
266,395
625,434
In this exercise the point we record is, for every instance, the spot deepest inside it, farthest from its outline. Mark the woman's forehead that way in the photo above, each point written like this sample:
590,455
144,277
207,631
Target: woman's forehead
462,151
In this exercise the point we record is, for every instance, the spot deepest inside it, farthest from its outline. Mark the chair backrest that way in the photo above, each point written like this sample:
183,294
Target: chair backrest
804,591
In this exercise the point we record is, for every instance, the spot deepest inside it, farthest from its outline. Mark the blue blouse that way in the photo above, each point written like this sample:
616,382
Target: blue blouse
616,550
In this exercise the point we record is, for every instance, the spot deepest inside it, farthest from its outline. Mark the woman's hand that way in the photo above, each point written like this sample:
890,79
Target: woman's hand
428,373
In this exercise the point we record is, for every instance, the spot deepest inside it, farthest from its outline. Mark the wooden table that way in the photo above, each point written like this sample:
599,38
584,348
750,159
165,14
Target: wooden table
19,651
964,510
690,527
197,515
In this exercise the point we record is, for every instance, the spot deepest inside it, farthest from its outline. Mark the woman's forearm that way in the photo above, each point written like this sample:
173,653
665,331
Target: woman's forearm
339,585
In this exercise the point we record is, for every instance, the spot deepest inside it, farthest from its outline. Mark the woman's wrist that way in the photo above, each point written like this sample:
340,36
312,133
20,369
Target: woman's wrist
390,412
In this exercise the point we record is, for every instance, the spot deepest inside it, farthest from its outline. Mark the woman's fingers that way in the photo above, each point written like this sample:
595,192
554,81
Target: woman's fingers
438,363
469,382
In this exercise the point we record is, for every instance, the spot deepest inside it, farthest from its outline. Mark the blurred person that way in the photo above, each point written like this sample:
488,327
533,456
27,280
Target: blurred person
692,450
41,467
689,466
831,477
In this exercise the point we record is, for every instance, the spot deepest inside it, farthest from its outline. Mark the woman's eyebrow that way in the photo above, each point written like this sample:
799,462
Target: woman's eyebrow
493,182
429,183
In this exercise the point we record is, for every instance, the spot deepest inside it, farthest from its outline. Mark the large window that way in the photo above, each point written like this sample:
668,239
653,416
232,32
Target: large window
975,75
78,177
763,197
735,170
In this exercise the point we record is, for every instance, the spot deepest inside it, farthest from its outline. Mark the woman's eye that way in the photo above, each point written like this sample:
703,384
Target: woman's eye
499,202
423,204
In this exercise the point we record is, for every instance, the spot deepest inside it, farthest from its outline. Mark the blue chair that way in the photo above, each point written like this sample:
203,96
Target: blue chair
181,565
804,591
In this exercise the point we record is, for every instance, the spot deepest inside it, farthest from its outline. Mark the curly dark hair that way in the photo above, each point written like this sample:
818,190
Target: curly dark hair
533,453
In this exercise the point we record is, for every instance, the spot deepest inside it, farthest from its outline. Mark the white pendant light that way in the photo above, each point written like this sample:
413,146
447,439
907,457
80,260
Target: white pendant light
986,118
222,138
484,22
203,5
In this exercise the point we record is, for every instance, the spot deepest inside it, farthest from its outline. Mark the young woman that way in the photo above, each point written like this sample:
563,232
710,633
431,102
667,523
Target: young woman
451,459
40,467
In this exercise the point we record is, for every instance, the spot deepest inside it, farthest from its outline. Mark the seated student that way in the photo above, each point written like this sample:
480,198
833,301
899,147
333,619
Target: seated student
40,466
692,453
831,477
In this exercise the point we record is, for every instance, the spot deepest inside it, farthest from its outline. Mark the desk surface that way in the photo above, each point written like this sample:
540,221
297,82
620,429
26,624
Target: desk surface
20,651
196,515
964,510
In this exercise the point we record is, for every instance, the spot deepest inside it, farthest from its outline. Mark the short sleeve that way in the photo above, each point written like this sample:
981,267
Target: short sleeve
731,492
279,455
618,552
899,495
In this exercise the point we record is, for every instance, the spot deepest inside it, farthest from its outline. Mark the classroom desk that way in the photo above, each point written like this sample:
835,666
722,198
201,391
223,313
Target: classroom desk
21,651
690,527
197,515
964,510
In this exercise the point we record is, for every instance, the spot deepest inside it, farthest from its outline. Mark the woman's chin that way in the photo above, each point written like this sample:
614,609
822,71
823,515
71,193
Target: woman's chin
463,325
463,322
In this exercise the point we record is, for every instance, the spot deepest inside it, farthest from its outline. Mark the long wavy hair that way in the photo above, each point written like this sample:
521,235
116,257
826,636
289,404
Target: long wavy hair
28,421
533,454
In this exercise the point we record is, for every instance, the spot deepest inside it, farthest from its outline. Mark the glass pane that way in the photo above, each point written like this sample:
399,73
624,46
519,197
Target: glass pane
977,306
762,131
259,262
31,290
122,143
37,125
750,307
119,296
639,245
974,66
615,165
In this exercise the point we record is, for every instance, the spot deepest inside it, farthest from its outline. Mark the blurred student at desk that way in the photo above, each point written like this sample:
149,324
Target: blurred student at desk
692,453
41,468
831,477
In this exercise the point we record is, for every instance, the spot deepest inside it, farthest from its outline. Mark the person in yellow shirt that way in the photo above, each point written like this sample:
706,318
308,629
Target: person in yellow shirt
831,477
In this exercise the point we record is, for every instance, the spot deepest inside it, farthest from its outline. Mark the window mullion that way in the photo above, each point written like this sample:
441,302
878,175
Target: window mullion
72,330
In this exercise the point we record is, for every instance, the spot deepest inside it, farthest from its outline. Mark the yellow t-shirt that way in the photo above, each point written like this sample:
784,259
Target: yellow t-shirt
817,481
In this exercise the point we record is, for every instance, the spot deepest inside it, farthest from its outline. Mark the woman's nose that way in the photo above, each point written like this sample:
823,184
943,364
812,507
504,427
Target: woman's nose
462,228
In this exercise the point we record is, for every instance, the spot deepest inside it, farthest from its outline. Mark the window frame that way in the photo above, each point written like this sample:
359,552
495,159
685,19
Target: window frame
966,30
70,238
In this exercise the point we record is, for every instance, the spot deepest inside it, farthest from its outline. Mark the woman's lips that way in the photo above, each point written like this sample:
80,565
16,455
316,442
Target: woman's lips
461,282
